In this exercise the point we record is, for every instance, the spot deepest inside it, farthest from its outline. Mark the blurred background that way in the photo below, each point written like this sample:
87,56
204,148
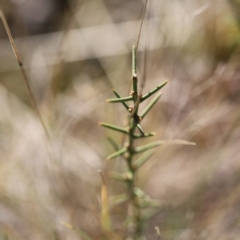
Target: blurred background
74,52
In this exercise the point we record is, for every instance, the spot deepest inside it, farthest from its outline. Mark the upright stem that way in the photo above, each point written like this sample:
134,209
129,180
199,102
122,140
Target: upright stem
136,199
134,226
133,210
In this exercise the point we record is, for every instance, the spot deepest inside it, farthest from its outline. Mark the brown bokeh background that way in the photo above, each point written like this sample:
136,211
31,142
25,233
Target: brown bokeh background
74,52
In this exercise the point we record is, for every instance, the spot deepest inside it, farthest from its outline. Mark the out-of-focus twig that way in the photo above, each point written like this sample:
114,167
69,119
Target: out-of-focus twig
20,63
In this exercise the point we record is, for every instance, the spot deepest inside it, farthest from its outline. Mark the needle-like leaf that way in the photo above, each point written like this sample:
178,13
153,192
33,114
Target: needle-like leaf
177,142
113,127
118,96
113,143
144,135
141,160
153,91
121,176
117,100
162,142
117,153
140,129
148,146
150,105
147,203
121,198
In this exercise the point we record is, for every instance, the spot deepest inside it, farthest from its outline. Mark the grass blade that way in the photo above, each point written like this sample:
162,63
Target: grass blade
20,63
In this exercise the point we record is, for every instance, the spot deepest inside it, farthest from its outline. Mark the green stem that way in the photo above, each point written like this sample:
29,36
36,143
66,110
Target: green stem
129,151
134,223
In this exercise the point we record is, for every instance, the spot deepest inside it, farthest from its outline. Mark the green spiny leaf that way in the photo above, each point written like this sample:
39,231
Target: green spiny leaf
150,212
148,146
140,129
118,176
150,105
123,99
153,91
178,142
162,142
118,96
147,203
113,127
144,200
141,160
117,153
113,143
139,193
121,176
144,135
118,199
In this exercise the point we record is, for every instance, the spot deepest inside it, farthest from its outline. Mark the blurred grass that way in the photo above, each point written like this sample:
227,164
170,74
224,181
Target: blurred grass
71,78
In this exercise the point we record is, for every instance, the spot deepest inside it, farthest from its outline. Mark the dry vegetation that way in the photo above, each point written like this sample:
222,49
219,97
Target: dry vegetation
43,182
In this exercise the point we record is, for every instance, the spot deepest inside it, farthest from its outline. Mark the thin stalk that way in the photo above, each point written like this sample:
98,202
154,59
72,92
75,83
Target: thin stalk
25,78
129,151
134,226
133,209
